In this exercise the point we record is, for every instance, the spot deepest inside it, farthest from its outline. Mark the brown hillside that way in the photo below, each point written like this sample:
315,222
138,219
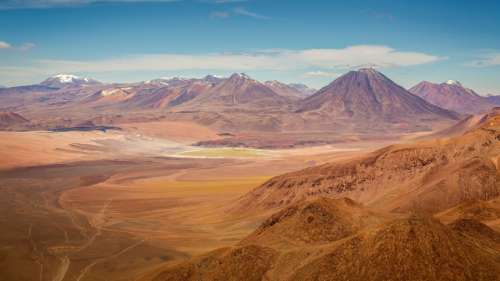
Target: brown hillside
453,96
321,221
11,119
248,263
428,176
416,248
413,248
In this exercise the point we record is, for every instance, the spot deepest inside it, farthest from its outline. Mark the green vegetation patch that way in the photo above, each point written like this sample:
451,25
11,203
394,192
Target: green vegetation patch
225,152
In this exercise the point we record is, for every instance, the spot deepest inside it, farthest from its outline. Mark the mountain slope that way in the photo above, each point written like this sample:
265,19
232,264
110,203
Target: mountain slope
368,95
11,119
292,91
414,247
453,96
493,99
304,89
427,176
323,220
241,91
467,124
168,96
485,211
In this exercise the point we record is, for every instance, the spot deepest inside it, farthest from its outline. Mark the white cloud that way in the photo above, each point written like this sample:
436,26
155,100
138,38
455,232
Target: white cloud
28,4
237,12
362,55
245,12
23,47
320,73
323,60
490,59
4,45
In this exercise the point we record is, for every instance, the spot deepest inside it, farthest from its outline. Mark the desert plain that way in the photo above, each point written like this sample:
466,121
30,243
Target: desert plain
115,205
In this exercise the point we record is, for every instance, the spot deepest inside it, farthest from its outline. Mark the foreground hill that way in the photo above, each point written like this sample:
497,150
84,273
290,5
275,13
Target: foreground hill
412,248
321,221
487,212
469,123
453,96
427,176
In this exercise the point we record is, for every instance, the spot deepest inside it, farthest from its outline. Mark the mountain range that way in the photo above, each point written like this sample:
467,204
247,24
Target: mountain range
361,104
453,96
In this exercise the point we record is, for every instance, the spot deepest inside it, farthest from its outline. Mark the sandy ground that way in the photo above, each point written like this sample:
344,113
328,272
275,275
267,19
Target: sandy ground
41,148
182,132
94,205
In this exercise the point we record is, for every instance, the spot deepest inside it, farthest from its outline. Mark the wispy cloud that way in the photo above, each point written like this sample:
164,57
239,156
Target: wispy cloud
485,60
320,73
219,15
245,12
228,1
324,60
37,4
23,47
4,45
27,46
237,12
379,15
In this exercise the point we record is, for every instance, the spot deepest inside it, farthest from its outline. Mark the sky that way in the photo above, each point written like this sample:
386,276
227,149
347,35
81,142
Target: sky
311,42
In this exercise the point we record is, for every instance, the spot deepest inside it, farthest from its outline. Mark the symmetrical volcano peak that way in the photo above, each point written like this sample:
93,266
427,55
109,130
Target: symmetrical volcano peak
367,94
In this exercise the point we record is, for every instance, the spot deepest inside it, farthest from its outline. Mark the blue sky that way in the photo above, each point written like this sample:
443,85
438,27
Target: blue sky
294,41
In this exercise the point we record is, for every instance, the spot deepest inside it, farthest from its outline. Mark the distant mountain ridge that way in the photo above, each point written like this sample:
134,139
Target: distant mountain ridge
239,90
292,91
66,80
494,99
361,104
453,96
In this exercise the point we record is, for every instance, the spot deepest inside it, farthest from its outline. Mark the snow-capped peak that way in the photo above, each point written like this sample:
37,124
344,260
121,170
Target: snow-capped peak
243,76
453,82
67,78
62,80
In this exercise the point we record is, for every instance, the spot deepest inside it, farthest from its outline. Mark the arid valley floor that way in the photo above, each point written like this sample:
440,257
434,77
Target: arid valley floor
116,205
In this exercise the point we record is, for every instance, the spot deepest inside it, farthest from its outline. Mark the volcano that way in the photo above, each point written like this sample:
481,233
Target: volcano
367,94
453,96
